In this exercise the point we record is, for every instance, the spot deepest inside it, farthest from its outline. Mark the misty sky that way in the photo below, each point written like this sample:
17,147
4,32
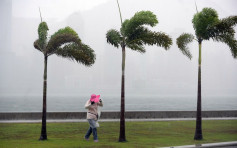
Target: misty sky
156,72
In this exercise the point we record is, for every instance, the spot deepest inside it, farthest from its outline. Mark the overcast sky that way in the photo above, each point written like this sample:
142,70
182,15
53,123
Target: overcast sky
157,71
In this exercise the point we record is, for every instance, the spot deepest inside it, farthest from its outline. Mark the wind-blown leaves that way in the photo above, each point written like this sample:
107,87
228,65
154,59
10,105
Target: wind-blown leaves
158,38
135,35
37,46
229,21
113,37
81,54
58,40
136,47
182,42
62,36
207,26
230,41
202,20
223,27
144,36
67,30
223,31
122,29
42,32
139,19
65,43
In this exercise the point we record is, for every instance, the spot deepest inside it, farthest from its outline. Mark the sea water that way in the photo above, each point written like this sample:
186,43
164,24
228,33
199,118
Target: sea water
33,103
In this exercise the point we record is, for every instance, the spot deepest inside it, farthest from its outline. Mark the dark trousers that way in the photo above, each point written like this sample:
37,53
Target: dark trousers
91,130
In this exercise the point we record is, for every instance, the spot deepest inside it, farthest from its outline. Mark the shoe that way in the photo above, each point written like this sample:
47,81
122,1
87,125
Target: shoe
96,140
87,139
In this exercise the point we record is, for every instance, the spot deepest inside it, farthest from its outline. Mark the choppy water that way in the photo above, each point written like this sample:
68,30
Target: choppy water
112,103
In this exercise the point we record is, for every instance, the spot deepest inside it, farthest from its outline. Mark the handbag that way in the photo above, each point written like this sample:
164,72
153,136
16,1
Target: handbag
97,124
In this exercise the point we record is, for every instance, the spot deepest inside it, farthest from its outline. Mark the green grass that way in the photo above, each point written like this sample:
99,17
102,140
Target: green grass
138,134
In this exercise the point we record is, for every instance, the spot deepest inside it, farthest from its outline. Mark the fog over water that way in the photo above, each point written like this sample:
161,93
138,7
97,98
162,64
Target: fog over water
155,80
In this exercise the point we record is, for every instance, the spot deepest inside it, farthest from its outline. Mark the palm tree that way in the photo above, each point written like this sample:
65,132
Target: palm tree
207,26
134,35
64,43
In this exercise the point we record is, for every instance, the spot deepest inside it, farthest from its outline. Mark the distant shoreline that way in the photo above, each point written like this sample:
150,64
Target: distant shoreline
112,103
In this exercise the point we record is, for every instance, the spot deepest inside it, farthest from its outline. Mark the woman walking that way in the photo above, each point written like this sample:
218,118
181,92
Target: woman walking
92,115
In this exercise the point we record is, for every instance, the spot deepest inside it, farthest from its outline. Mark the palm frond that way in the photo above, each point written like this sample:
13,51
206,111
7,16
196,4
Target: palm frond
122,29
37,46
159,38
139,19
233,46
63,36
82,54
137,47
142,35
42,33
230,41
222,28
229,21
67,30
182,42
202,20
223,31
137,35
113,37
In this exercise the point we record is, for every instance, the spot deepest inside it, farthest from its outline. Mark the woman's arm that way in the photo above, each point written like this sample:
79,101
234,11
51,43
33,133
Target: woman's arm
88,104
100,103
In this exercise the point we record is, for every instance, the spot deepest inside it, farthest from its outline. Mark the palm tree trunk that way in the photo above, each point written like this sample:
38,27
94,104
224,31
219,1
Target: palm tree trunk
43,128
122,137
120,13
198,132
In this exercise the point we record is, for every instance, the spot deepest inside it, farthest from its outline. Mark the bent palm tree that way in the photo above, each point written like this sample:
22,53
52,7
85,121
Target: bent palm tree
135,35
65,43
207,26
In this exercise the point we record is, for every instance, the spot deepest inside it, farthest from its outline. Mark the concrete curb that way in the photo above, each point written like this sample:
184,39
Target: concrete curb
208,145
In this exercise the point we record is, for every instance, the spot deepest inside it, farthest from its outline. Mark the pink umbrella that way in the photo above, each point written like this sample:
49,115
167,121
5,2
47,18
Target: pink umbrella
95,98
